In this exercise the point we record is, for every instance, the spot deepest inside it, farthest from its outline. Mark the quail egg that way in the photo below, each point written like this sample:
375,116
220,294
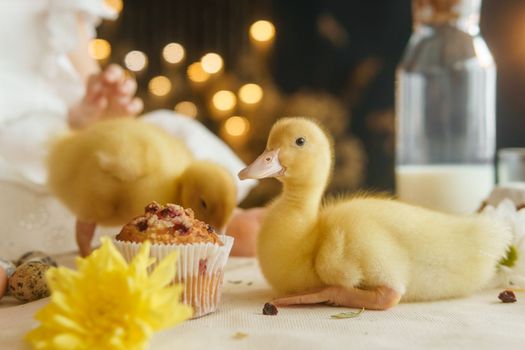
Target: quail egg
36,256
28,283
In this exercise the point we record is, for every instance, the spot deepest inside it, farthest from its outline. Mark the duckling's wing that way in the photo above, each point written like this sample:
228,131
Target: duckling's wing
358,250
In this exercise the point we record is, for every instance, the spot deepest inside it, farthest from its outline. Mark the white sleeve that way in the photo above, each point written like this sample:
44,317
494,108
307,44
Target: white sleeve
61,36
202,143
62,21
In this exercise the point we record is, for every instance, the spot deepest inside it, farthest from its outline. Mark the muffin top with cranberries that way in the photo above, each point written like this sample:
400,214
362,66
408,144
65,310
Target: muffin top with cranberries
169,224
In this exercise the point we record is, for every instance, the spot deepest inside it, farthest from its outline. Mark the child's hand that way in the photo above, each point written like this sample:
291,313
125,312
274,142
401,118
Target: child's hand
109,94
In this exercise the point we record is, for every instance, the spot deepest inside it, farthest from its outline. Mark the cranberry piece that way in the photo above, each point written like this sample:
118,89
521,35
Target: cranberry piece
507,296
203,266
183,230
270,309
167,212
152,208
210,229
142,225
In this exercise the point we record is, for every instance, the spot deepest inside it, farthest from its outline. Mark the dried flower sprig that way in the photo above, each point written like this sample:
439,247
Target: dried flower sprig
350,314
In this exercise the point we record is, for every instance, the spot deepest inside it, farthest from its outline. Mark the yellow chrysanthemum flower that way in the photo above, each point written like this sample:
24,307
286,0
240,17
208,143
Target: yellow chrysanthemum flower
108,304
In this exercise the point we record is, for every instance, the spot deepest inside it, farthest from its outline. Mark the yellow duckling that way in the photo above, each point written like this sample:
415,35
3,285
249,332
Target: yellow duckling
362,251
108,173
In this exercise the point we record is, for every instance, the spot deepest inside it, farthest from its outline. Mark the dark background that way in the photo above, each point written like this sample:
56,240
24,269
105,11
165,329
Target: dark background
331,56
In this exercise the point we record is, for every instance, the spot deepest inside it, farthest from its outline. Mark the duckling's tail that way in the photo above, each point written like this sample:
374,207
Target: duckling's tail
497,236
494,237
480,242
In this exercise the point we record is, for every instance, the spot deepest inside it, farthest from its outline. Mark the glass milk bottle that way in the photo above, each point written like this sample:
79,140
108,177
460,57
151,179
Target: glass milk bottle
445,108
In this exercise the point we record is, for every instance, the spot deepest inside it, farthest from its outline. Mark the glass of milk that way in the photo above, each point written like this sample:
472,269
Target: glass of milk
445,107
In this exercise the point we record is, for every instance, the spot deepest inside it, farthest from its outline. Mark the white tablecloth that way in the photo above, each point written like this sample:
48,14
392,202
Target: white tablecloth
478,322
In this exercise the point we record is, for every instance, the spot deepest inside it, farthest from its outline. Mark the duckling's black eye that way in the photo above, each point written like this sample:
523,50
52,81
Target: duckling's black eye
203,204
300,141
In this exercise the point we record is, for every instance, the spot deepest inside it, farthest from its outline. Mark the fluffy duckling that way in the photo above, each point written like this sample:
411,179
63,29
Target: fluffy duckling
364,251
107,173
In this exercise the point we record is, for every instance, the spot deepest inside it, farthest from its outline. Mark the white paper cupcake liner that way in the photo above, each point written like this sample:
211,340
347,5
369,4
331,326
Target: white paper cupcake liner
199,267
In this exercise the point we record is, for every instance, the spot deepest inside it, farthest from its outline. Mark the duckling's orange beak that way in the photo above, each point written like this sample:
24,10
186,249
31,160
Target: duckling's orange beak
266,165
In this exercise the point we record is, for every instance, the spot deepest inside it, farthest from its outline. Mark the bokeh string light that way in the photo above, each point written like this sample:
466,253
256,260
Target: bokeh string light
115,5
224,100
173,53
187,108
262,31
99,49
136,61
196,73
251,93
159,86
212,63
236,126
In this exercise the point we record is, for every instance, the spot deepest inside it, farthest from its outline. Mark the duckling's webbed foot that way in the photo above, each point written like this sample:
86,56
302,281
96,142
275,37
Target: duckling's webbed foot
380,298
84,234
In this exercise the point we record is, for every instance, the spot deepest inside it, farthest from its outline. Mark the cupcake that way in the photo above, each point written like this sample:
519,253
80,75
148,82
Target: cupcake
202,252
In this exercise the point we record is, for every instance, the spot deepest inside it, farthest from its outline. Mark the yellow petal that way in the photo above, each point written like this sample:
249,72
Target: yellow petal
68,324
59,278
166,296
164,273
107,257
141,261
68,341
46,313
62,301
38,338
